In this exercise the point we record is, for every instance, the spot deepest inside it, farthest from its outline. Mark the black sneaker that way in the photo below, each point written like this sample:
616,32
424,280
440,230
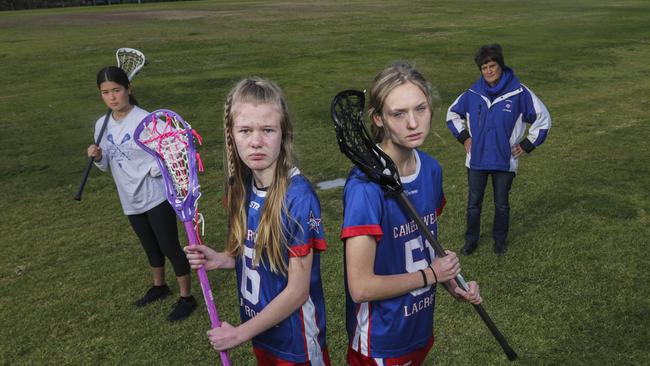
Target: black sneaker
153,294
469,248
500,247
183,308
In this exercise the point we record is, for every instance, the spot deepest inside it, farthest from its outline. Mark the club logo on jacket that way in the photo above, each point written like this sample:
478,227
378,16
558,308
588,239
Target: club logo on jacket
314,222
254,205
508,106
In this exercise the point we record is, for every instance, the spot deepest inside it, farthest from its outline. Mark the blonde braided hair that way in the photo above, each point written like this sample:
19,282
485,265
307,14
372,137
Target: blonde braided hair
234,193
270,239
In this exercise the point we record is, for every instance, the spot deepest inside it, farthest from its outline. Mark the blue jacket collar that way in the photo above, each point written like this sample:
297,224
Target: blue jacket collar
507,83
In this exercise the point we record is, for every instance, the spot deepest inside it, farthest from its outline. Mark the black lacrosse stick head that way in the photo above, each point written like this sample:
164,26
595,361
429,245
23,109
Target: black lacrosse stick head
355,141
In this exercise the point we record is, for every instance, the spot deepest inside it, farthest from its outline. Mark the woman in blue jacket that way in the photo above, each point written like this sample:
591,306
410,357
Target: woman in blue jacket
490,119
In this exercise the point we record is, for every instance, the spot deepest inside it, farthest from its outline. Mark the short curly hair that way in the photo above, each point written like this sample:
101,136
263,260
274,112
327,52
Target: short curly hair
489,52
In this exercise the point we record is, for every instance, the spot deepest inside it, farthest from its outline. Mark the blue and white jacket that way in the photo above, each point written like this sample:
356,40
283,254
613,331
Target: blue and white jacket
494,118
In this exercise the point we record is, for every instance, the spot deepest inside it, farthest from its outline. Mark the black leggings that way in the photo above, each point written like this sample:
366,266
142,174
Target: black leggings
158,234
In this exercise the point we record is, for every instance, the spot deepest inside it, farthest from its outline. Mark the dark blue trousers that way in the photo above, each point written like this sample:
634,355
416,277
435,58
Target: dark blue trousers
501,184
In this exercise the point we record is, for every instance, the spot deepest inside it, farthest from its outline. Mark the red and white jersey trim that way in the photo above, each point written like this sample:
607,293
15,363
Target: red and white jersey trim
361,340
310,333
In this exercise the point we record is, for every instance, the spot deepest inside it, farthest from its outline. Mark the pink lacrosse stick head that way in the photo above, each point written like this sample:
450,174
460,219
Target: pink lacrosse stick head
170,140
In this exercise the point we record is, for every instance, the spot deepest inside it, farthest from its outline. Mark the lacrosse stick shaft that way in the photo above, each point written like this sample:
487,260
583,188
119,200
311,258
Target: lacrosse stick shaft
89,166
440,252
207,291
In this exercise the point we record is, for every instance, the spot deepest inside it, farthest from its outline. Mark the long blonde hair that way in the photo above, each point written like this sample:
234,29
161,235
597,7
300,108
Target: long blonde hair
270,238
389,78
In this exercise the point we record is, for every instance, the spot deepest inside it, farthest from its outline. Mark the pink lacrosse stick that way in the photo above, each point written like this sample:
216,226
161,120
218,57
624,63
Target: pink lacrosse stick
166,136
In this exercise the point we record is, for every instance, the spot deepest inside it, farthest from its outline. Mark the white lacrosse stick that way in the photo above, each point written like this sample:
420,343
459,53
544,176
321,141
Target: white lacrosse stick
131,61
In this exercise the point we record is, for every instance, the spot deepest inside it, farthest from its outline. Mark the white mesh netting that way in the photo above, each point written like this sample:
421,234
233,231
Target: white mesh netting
130,60
169,140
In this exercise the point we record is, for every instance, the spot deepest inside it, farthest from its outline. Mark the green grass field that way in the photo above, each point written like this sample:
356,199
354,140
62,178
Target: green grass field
572,290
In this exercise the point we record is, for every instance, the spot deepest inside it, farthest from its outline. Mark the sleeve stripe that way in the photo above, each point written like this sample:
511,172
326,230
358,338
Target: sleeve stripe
372,230
299,250
541,137
453,129
302,250
318,244
442,205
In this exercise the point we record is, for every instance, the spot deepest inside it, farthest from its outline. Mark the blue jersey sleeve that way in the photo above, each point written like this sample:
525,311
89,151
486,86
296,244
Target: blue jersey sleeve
362,209
304,226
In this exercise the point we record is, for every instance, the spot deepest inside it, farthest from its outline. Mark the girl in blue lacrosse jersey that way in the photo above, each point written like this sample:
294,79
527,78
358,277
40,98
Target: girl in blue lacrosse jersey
391,271
275,234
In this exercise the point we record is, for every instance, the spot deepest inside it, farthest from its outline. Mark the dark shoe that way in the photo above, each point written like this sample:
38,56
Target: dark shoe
183,308
153,294
469,248
500,247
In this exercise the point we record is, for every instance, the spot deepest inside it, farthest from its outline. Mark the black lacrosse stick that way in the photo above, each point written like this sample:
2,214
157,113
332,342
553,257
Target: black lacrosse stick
355,142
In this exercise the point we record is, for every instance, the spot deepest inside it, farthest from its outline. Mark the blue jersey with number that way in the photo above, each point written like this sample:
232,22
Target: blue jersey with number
400,325
300,337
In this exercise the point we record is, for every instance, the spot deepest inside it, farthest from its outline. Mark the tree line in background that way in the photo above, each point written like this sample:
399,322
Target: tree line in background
35,4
